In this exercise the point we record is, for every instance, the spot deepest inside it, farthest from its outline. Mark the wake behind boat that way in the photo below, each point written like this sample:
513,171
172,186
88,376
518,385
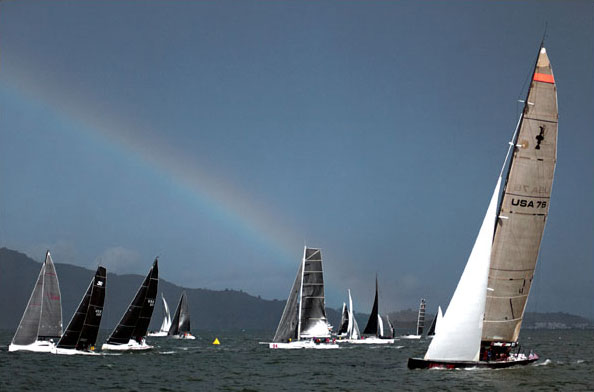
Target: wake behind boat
166,324
81,333
41,324
303,323
129,335
482,323
180,325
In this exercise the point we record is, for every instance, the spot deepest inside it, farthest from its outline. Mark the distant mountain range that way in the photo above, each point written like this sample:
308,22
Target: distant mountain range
209,309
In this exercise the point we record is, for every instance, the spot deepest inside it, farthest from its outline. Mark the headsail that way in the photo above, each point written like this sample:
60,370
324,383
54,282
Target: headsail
166,316
287,326
353,328
26,332
524,208
433,326
82,330
372,325
459,336
313,321
344,320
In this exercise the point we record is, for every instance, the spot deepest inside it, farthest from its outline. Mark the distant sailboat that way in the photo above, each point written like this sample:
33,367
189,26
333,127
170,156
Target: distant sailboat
352,332
131,331
377,330
482,322
344,321
420,322
435,323
180,325
303,323
41,324
166,324
81,333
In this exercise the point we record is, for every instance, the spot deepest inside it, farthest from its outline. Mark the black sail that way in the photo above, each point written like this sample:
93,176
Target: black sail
181,319
131,318
149,304
313,307
371,327
344,320
431,330
287,326
82,330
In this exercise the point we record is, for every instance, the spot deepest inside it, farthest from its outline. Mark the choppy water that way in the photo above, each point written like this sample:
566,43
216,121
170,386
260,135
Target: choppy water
241,364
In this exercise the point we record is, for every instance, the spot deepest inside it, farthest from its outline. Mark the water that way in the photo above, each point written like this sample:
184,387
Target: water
241,364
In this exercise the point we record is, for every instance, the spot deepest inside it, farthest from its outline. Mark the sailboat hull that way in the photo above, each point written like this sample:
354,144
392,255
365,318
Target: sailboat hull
39,346
371,340
132,345
159,334
69,351
186,336
519,360
411,337
303,344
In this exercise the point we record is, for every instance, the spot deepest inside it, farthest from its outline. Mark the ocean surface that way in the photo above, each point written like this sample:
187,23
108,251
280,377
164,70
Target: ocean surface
241,364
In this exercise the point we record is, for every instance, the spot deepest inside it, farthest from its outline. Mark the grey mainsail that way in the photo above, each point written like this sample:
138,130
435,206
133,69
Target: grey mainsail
344,320
42,318
181,319
524,208
287,326
313,321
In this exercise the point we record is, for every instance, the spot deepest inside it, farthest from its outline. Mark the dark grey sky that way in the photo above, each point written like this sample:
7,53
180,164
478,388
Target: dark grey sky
223,136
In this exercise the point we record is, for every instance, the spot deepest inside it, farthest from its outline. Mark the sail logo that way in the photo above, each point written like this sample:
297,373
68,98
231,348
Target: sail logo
526,203
98,312
100,283
530,189
151,302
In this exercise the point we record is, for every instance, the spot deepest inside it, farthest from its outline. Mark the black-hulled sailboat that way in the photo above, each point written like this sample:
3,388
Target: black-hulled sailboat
166,324
420,322
41,324
303,323
180,325
81,333
129,335
482,322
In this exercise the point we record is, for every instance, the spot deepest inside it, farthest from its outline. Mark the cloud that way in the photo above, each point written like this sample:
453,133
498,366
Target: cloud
119,260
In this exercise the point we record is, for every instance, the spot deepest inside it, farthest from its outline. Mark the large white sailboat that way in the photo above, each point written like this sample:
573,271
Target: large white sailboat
482,323
41,325
303,323
166,324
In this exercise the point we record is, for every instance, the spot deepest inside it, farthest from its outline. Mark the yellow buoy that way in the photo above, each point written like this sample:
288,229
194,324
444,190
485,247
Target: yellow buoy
216,341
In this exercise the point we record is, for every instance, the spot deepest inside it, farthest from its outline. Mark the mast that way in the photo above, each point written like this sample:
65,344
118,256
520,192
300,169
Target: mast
421,317
301,294
523,208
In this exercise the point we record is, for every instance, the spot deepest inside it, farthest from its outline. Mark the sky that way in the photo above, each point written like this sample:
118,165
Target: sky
223,136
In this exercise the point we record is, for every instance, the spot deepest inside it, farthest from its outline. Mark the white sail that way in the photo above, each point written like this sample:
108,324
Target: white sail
438,321
459,334
166,316
380,326
353,330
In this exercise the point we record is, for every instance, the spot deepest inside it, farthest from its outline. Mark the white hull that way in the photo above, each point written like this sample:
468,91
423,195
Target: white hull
367,341
411,337
67,351
39,346
187,336
132,345
303,344
159,334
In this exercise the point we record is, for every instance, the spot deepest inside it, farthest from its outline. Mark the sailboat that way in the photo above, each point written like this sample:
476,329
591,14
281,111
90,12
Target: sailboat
41,324
166,324
352,333
81,333
377,330
344,322
303,323
420,323
482,323
435,323
180,325
129,335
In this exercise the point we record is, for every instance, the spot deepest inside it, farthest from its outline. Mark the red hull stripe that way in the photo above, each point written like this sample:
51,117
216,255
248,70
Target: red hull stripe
540,77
